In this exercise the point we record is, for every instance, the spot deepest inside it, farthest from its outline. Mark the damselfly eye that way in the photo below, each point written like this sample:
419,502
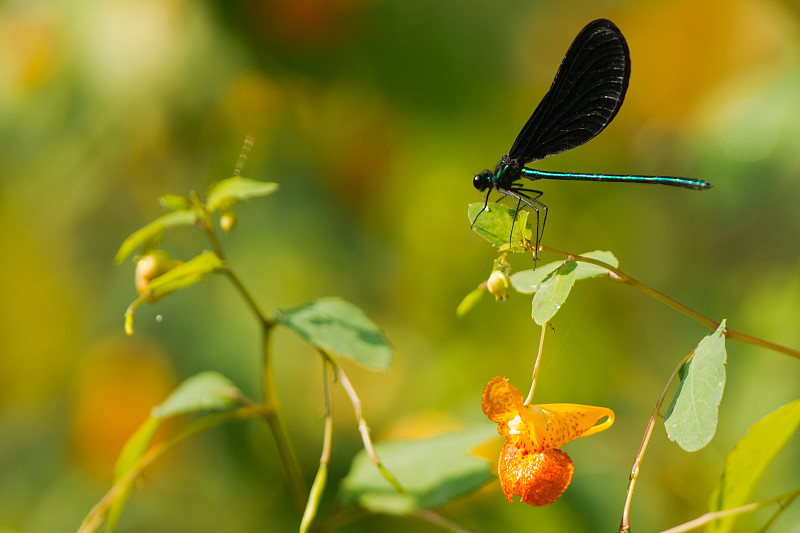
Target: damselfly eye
483,180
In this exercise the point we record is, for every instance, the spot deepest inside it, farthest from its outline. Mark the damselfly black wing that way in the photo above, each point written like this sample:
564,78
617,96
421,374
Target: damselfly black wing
585,95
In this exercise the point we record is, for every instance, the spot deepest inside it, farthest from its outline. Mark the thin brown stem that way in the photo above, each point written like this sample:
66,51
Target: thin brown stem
783,501
619,275
439,520
625,525
363,428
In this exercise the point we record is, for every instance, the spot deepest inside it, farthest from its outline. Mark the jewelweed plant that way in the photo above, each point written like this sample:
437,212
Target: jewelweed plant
415,477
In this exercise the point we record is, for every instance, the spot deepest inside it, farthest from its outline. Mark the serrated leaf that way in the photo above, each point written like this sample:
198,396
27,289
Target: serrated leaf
433,471
333,324
185,274
133,450
527,281
206,391
224,194
495,222
749,459
553,292
469,301
153,231
691,420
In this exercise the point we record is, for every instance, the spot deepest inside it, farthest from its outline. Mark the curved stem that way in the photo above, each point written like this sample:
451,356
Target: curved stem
363,428
208,227
625,525
273,415
94,519
783,501
274,418
536,366
439,520
708,322
318,487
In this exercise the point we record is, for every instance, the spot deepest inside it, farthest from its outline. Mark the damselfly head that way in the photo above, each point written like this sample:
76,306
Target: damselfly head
483,180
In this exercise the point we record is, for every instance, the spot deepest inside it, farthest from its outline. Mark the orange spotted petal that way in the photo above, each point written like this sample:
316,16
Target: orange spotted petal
538,478
501,401
568,421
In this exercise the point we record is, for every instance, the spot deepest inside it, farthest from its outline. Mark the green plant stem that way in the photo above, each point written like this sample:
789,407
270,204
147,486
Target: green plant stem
208,228
783,501
625,525
94,518
318,487
274,418
273,415
729,333
536,366
439,520
363,428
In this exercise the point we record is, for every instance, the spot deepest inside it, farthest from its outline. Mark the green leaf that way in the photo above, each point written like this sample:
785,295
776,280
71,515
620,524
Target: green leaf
132,451
469,301
206,391
175,202
748,460
553,292
336,325
692,418
224,194
153,232
186,274
433,471
494,224
527,281
203,392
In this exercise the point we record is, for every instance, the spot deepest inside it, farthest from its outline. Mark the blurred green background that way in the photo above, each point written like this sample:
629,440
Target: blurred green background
373,116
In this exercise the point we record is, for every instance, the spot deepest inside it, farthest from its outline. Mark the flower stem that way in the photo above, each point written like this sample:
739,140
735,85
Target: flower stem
536,366
729,333
624,525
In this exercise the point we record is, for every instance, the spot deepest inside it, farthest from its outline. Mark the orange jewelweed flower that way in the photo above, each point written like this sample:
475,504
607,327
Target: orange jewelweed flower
531,463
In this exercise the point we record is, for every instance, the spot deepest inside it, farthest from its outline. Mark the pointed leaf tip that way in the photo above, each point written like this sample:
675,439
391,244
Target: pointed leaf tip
333,324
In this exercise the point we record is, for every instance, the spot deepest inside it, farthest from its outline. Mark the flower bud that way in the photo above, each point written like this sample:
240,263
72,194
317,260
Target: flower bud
499,284
150,266
228,221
